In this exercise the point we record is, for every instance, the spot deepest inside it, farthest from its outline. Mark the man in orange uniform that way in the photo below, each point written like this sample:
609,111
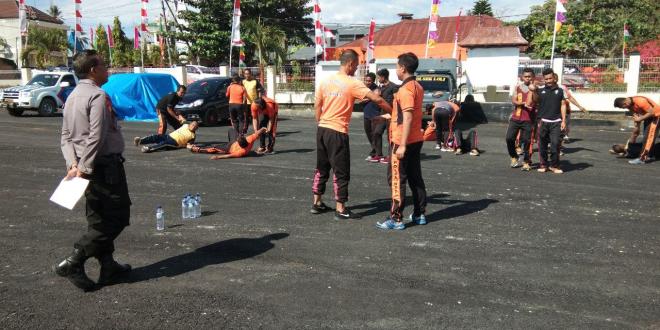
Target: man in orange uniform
264,114
644,111
407,140
335,97
522,120
235,148
237,95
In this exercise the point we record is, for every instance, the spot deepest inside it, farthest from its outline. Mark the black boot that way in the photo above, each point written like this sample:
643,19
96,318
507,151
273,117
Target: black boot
111,269
73,268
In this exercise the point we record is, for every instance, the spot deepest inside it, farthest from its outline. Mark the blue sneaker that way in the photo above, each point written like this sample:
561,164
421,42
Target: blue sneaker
421,220
636,161
390,224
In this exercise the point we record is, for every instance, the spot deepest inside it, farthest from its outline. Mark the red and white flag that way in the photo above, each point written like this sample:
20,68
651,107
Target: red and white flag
22,18
328,33
318,29
79,29
236,25
144,31
111,40
372,45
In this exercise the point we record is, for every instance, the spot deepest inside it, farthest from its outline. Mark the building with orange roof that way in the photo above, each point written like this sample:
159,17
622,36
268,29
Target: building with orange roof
410,35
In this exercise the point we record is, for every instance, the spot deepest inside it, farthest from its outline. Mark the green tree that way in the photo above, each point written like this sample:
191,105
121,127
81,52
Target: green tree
593,27
122,52
102,43
55,11
268,41
481,7
208,27
42,43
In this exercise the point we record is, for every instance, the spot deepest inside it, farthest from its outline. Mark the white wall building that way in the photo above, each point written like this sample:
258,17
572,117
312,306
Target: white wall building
9,29
493,56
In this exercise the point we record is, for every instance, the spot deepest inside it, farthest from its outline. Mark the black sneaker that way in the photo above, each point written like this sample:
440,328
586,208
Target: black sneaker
318,209
346,215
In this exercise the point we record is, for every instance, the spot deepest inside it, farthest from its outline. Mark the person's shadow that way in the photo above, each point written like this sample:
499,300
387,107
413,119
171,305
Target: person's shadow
457,208
213,254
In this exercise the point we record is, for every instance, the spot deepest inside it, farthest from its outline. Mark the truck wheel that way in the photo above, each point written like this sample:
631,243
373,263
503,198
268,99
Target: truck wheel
15,112
47,107
211,118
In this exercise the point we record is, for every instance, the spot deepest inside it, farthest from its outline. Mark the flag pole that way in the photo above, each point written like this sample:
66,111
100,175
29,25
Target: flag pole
231,47
554,38
623,49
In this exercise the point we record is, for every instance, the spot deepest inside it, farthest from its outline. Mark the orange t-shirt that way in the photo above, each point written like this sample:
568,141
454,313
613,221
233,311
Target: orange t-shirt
642,105
236,151
236,93
270,110
337,95
409,98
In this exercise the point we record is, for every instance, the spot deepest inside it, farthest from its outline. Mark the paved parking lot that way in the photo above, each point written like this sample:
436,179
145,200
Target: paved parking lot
503,249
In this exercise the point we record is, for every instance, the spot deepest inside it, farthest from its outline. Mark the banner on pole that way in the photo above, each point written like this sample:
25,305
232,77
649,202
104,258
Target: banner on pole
432,36
560,14
111,40
136,38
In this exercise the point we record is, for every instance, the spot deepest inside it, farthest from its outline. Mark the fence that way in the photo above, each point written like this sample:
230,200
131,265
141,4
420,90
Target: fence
649,75
595,75
10,78
537,65
295,78
10,75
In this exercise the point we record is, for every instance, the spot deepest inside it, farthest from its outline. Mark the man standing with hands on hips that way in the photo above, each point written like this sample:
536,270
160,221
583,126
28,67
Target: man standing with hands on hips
335,97
92,145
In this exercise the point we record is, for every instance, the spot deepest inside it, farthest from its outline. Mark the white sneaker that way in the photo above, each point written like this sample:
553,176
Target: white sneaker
437,147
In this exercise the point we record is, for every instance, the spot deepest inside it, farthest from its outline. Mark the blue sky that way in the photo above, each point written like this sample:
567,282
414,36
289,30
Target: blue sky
333,11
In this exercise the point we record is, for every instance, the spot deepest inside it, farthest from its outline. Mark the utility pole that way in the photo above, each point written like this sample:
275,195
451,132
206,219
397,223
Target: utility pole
167,33
178,26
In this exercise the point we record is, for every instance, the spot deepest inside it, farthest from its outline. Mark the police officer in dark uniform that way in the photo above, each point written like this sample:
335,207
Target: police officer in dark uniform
92,145
166,113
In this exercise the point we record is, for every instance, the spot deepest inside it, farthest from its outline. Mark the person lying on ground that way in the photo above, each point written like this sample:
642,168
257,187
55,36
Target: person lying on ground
237,147
630,150
180,138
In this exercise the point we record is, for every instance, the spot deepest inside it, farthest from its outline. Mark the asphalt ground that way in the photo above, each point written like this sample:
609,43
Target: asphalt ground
503,248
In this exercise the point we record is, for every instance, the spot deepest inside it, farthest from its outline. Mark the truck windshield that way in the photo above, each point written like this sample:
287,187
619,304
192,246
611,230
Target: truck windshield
44,80
435,82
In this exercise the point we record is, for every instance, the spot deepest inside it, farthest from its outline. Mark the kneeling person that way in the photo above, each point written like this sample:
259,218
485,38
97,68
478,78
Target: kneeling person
644,111
177,139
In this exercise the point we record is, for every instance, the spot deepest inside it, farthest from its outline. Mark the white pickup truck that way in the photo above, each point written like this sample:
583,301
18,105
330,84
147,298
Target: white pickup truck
45,93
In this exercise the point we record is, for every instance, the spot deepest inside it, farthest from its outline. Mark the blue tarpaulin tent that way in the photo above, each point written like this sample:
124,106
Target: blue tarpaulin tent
134,95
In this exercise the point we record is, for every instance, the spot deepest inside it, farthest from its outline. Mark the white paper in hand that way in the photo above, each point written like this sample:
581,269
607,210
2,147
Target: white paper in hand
69,192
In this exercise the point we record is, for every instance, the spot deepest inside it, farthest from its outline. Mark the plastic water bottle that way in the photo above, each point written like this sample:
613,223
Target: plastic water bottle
194,205
184,207
190,207
160,218
198,200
